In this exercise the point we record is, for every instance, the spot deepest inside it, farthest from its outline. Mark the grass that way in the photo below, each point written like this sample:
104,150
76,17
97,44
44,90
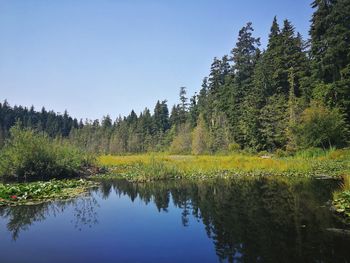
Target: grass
333,163
37,192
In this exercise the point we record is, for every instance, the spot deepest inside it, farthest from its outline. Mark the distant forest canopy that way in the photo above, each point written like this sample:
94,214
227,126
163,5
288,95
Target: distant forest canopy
294,94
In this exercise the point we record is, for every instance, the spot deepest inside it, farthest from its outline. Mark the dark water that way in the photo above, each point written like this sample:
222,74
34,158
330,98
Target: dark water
256,220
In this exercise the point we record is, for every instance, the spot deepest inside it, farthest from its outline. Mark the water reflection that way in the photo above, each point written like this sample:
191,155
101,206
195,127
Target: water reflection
248,220
20,218
254,220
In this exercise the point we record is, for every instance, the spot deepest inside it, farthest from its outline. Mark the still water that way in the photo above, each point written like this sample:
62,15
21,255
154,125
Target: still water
250,220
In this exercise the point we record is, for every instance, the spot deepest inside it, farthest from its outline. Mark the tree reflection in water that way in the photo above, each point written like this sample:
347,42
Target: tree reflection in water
249,220
253,220
20,218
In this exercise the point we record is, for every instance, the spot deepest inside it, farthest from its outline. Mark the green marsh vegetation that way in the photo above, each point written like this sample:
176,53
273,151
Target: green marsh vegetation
307,163
28,154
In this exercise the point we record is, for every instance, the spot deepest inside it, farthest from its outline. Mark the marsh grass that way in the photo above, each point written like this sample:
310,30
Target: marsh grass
162,166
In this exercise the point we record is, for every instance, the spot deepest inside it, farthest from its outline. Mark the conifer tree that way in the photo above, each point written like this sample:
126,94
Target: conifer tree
244,56
330,52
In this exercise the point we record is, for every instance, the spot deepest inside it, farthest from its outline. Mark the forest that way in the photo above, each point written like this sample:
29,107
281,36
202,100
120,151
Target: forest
291,95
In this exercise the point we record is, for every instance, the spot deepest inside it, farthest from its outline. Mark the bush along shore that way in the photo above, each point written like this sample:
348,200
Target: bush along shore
29,156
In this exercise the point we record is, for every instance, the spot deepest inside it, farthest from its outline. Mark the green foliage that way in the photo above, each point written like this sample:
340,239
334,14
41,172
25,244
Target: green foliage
330,50
281,153
341,203
341,199
234,147
200,137
181,143
219,136
30,154
322,127
313,152
29,193
273,122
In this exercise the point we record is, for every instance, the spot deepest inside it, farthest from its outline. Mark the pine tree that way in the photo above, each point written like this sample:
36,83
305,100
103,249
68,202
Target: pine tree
2,137
193,111
203,98
244,56
161,117
292,112
273,121
183,106
106,122
330,51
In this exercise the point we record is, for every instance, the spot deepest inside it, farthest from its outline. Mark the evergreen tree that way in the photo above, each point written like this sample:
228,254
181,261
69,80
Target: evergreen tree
106,122
292,112
193,111
244,56
161,117
203,98
183,106
330,51
273,123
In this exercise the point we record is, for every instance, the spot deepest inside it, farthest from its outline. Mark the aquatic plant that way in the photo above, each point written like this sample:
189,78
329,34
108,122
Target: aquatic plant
341,200
36,192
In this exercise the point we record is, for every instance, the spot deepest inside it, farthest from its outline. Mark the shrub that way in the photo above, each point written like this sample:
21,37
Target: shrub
200,137
281,153
322,127
234,147
29,154
181,143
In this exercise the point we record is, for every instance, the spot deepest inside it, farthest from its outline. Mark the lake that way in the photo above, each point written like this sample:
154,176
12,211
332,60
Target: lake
240,220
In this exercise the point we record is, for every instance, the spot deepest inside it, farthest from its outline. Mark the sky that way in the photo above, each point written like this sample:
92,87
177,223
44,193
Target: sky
99,57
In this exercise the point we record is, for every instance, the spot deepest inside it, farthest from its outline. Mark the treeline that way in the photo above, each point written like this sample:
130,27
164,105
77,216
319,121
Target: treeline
54,124
293,94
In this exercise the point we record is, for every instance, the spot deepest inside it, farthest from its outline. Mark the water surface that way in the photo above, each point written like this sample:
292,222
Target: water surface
243,220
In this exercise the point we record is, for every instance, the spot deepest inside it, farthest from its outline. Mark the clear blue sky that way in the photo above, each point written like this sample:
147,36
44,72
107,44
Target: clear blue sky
98,57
